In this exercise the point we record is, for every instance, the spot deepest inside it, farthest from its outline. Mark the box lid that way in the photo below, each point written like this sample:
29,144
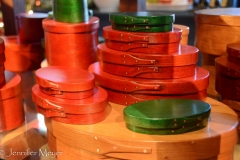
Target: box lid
154,72
195,83
143,28
226,67
65,78
143,18
160,48
218,16
233,50
12,85
166,113
51,25
96,103
187,55
142,37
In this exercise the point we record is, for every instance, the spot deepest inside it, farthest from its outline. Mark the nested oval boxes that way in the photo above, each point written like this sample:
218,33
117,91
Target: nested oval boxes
72,44
69,95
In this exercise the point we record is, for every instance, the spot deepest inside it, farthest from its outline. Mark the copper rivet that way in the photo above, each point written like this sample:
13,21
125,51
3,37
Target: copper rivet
136,61
192,142
126,103
132,20
95,137
136,101
144,20
127,28
175,120
175,124
143,45
124,56
62,114
114,147
121,35
129,44
129,37
125,96
182,126
138,69
134,26
124,61
136,86
98,150
172,131
152,62
144,151
197,124
147,27
126,72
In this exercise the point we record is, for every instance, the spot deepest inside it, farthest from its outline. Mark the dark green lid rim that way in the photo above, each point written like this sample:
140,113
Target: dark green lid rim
147,18
186,128
170,122
70,2
142,28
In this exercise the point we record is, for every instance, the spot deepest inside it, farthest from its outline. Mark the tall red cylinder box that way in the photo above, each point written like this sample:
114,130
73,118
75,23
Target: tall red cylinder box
11,106
71,44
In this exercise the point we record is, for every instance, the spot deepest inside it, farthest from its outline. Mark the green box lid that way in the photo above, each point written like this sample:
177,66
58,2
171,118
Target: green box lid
142,18
142,28
170,116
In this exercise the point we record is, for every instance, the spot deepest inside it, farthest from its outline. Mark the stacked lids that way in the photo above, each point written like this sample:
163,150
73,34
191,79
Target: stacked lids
11,108
69,95
142,64
228,73
167,116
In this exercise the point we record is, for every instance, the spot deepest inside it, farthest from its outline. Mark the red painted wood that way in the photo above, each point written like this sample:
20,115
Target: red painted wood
142,37
22,57
226,67
233,50
71,44
146,48
149,71
76,118
96,103
228,87
128,98
187,55
11,106
29,27
192,84
64,78
234,60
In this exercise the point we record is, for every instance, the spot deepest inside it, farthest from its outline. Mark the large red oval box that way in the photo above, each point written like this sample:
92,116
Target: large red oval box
71,44
11,106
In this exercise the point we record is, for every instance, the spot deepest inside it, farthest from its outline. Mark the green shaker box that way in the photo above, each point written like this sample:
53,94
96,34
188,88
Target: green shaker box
142,18
167,116
142,28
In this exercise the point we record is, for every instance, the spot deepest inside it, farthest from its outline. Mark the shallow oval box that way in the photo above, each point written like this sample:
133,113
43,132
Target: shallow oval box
141,37
11,108
142,18
163,48
192,84
75,43
58,107
22,57
111,138
226,67
65,82
167,116
187,55
123,98
152,72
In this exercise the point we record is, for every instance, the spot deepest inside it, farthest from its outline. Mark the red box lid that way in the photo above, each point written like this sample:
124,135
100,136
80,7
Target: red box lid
233,50
226,67
65,78
187,55
192,84
142,37
51,25
96,103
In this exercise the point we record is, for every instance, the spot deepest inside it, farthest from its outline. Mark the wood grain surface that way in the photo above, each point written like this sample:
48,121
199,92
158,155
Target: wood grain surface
71,44
187,55
142,37
128,98
215,141
96,103
11,106
22,57
151,72
162,48
196,83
